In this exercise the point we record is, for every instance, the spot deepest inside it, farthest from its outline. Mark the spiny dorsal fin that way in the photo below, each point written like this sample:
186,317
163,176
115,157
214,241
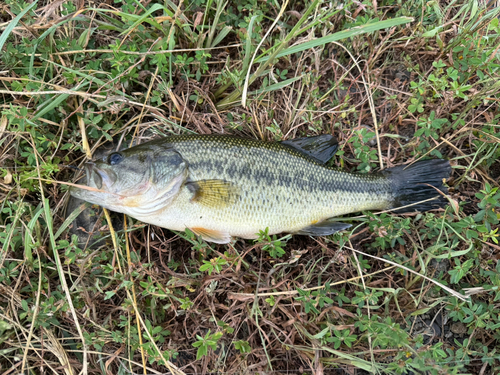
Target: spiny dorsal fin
321,147
324,228
213,193
212,235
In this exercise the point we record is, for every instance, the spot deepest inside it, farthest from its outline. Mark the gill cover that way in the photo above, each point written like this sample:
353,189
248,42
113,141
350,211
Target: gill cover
137,181
167,173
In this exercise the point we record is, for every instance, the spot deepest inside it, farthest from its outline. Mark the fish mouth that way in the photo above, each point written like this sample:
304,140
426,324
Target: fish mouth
94,178
99,178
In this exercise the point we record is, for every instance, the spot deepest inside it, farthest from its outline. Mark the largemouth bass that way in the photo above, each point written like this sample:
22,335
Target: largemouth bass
222,187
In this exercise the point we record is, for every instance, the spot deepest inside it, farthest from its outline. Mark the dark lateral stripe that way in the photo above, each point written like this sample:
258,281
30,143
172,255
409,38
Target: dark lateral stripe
264,175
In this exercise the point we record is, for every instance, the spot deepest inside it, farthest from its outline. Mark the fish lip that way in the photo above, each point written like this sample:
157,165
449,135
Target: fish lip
88,171
94,178
102,179
98,178
81,193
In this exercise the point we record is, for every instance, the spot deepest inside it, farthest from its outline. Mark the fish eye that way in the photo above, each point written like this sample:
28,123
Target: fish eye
115,158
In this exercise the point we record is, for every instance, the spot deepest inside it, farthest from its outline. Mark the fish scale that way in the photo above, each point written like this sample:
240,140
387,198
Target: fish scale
222,186
281,189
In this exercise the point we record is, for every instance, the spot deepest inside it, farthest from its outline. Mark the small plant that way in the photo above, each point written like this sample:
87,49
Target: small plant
369,297
460,270
272,244
342,337
363,151
198,242
225,327
186,303
183,63
209,341
271,301
243,346
214,265
430,126
416,105
385,332
389,229
315,300
9,272
490,202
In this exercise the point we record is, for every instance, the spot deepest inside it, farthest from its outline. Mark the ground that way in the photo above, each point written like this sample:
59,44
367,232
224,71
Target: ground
393,81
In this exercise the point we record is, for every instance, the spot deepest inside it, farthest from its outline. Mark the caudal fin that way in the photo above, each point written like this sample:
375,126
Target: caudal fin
419,182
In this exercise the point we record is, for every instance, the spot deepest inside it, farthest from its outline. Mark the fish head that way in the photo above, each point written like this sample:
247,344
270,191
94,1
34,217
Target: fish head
137,181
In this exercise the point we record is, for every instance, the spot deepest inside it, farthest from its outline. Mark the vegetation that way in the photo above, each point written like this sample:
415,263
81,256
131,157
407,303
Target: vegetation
394,81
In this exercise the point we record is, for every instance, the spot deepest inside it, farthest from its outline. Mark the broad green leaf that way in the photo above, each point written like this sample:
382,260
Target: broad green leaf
322,334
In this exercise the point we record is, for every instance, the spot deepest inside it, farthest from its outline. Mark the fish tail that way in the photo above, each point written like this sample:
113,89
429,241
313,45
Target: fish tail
419,182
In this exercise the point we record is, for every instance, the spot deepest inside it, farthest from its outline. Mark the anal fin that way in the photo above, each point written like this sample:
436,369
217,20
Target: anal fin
212,235
324,228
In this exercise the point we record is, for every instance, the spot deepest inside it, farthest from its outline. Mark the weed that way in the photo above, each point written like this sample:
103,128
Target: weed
75,77
214,265
272,244
343,337
314,300
242,346
209,341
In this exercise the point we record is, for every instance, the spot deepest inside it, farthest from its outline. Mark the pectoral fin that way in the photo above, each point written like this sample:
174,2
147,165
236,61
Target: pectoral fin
212,235
325,228
321,148
213,193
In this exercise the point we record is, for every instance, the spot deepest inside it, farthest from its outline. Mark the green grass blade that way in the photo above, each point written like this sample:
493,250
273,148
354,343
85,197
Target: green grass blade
49,31
276,86
352,360
451,254
53,103
72,216
248,46
220,7
221,35
146,18
349,33
13,23
27,238
62,277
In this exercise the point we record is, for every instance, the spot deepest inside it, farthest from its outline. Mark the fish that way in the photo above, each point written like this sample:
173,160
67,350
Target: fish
225,187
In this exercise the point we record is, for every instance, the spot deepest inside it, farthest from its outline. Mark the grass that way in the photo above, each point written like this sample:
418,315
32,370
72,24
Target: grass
393,81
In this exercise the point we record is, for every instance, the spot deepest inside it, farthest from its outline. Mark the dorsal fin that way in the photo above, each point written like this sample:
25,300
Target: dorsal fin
321,147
